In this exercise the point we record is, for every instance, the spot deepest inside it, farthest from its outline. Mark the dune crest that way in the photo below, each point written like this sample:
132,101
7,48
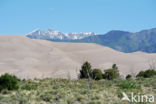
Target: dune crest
32,58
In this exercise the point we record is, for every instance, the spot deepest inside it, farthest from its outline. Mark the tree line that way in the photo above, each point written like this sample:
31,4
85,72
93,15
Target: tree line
109,74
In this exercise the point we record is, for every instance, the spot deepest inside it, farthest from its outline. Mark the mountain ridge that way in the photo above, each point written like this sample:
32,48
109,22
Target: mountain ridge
50,34
124,41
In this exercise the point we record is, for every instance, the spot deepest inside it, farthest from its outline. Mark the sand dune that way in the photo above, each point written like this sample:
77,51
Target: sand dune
30,58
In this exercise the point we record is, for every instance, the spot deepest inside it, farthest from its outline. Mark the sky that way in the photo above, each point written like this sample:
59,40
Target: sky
19,17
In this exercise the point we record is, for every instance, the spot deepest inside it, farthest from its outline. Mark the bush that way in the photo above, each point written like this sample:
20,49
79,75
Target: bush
146,74
97,74
29,87
129,84
9,82
86,71
111,74
129,77
114,66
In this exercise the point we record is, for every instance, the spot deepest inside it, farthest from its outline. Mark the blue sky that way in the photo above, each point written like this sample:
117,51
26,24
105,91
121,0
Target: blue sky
100,16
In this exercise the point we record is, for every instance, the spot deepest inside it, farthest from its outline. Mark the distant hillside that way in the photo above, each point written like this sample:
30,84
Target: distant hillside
123,41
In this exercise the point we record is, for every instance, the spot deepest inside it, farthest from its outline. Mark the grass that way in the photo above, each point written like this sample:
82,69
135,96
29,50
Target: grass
62,91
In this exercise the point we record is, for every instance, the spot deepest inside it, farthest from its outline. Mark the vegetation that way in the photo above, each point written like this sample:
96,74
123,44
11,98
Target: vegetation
86,71
112,73
62,91
129,77
147,73
129,84
97,74
114,66
8,82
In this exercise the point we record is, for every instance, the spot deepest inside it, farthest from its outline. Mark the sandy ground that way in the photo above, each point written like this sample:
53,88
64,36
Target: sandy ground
30,58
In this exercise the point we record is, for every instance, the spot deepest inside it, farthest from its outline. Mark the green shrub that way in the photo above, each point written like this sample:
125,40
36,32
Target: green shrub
147,73
111,74
129,77
129,84
97,74
29,87
86,71
114,66
9,82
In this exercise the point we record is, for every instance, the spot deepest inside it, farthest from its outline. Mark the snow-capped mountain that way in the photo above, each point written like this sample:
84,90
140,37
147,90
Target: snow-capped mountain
56,35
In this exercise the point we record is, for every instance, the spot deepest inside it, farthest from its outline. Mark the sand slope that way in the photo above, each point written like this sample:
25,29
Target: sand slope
29,58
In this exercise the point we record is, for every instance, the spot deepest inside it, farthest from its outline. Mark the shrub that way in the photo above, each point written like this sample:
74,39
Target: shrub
29,87
86,71
129,77
129,84
9,82
97,74
111,74
114,66
147,73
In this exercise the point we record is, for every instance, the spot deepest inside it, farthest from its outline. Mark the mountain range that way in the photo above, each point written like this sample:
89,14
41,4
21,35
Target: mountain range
56,35
123,41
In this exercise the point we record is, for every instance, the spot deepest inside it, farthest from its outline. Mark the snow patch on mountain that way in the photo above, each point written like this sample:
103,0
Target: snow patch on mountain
56,35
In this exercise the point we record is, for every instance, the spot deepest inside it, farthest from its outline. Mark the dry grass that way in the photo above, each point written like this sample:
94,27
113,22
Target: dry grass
62,91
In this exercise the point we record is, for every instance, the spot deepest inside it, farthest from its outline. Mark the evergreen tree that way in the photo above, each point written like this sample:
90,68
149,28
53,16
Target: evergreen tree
86,71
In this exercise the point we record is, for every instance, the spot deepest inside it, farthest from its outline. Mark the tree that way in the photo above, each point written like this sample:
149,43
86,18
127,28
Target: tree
114,66
97,74
111,74
86,71
9,82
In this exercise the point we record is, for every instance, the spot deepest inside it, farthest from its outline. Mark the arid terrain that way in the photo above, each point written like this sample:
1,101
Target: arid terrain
34,58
